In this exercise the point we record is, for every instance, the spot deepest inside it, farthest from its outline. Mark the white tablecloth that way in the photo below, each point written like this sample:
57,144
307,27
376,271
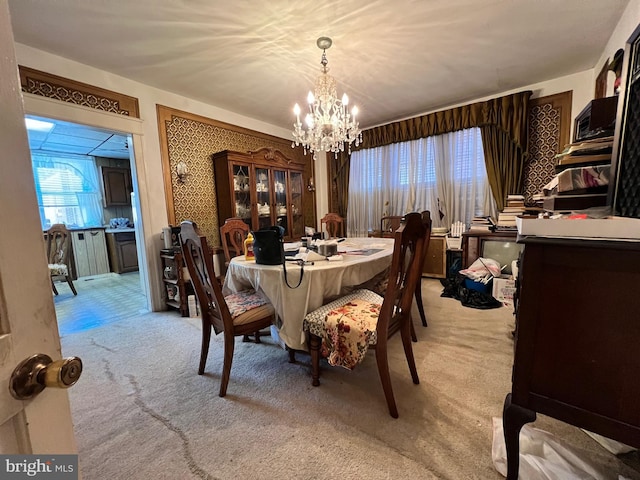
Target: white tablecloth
322,280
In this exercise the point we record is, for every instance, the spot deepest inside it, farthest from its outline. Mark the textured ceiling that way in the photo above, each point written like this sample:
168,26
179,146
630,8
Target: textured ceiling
395,59
48,136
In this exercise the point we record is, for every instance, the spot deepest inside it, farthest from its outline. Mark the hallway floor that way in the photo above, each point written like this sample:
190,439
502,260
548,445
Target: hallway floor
101,300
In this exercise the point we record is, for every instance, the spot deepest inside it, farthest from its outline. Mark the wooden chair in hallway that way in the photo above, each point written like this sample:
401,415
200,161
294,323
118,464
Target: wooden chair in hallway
235,315
372,319
58,246
334,224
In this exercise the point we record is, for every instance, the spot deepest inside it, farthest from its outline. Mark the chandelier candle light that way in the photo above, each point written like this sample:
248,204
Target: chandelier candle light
328,126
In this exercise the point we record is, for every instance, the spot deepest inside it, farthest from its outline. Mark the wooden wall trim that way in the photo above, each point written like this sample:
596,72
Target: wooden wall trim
70,91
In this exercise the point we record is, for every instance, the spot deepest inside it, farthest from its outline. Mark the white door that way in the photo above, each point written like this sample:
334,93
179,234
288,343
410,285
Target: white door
28,323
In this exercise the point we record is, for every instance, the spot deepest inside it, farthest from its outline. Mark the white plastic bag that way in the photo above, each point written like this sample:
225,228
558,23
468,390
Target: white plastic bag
482,270
543,457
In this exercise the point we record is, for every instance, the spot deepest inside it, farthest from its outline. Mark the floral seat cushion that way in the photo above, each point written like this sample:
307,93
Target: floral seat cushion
58,269
347,327
247,306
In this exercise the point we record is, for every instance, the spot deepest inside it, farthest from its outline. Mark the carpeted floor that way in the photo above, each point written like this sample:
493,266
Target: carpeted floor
142,412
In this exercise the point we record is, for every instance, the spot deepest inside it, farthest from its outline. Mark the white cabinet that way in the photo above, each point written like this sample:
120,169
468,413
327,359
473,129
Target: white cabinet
90,252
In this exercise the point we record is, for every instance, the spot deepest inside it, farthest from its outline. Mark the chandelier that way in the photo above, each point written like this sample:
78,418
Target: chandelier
328,126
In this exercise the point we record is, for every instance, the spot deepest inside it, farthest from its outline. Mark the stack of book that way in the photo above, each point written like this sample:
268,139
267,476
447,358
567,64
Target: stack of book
507,217
479,224
586,153
581,156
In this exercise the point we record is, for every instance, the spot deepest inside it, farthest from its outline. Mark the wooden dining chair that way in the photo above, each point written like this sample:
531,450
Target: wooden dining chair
343,329
334,224
59,255
426,220
232,235
233,315
389,224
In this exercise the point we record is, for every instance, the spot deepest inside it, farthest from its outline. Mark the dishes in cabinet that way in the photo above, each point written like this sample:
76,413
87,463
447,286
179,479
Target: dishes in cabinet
264,209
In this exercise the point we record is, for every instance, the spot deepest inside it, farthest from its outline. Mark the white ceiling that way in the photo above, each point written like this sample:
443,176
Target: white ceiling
395,58
64,137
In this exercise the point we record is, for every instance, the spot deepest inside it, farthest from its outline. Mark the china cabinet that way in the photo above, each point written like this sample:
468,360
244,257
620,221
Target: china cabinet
263,188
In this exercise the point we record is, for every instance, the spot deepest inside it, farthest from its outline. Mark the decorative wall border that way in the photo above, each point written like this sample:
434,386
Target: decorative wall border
70,91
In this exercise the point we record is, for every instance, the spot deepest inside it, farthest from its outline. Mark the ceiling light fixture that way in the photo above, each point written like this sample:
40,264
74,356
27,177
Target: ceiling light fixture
38,125
328,126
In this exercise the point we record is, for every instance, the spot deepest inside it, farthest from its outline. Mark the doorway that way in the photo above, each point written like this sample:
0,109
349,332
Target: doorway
57,147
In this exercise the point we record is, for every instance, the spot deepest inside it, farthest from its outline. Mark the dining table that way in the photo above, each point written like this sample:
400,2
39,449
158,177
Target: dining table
358,260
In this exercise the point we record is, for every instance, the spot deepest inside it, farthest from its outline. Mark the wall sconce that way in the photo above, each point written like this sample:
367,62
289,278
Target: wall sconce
182,171
311,187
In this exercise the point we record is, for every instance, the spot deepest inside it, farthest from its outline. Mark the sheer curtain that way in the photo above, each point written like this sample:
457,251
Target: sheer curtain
68,190
445,174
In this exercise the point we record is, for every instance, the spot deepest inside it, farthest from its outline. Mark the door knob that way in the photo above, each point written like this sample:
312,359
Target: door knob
35,373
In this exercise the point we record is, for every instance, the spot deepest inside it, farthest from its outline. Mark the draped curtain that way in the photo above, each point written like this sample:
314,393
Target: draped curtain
68,190
503,122
442,173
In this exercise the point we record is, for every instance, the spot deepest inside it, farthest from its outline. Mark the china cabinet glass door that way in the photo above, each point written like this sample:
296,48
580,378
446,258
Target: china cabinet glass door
281,203
242,193
297,217
263,197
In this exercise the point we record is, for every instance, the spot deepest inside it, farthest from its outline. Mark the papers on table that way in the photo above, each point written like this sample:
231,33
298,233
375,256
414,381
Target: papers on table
292,247
358,248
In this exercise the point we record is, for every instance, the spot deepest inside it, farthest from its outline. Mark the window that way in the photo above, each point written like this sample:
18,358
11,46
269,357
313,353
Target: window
68,190
445,174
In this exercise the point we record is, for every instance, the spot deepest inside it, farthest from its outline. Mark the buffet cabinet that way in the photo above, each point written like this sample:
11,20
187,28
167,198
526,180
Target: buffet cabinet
576,339
263,188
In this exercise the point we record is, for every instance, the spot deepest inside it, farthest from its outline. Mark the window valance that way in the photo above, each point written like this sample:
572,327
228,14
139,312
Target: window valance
507,113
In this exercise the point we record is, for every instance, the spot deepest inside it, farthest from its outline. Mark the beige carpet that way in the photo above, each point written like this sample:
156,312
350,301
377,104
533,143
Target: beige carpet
142,412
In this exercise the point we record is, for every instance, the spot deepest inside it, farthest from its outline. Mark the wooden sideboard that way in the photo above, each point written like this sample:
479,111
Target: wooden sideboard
577,334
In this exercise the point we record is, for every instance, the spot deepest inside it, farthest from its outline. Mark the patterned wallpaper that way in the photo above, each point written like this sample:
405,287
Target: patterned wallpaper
193,140
544,137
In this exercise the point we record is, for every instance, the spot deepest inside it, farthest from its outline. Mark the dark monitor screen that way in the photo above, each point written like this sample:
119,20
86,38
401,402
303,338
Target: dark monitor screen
502,251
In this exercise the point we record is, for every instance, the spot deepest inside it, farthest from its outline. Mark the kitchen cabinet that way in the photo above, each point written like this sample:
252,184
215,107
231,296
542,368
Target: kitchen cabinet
263,188
90,252
121,244
117,186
